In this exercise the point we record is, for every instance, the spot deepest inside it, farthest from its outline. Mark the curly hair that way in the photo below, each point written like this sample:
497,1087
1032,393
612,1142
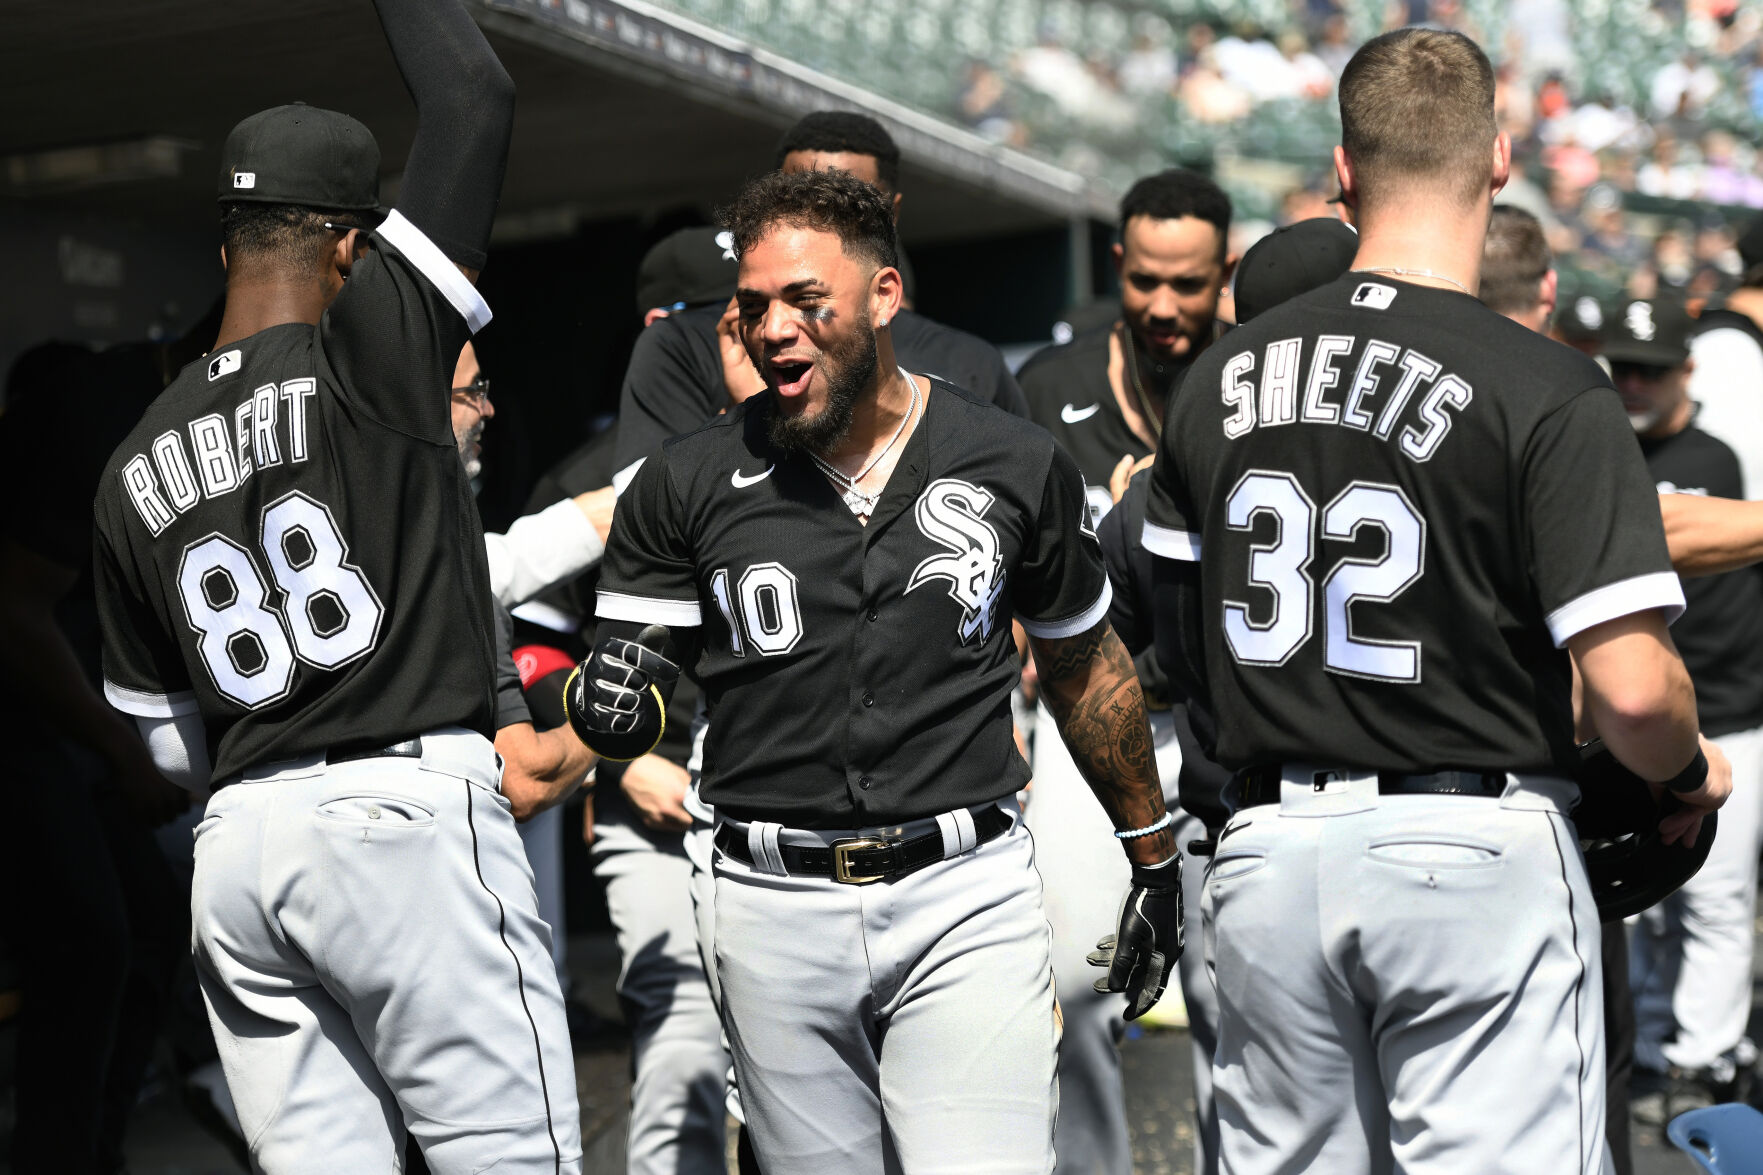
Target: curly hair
825,201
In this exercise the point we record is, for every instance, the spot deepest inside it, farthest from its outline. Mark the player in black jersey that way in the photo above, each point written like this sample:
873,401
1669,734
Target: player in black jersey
676,377
1102,395
292,583
838,560
1390,522
1693,951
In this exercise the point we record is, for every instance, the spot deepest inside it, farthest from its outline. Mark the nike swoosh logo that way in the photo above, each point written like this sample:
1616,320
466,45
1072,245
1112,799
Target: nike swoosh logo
741,483
1071,415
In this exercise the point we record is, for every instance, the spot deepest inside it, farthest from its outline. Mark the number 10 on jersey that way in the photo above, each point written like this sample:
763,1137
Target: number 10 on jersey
1282,567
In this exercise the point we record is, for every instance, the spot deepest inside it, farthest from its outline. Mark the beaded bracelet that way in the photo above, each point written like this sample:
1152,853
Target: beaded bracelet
1158,826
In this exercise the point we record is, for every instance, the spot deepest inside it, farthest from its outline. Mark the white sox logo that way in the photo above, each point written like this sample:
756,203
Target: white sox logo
952,512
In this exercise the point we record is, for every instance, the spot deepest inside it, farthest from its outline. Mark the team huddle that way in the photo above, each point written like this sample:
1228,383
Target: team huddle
1313,614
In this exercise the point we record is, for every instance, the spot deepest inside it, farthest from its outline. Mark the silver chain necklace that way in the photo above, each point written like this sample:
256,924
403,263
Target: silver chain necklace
860,503
1400,272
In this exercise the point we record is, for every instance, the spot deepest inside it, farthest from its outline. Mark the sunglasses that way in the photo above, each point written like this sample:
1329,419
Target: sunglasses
1623,367
474,393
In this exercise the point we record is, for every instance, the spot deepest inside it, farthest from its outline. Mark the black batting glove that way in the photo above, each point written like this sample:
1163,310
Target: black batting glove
615,699
1142,952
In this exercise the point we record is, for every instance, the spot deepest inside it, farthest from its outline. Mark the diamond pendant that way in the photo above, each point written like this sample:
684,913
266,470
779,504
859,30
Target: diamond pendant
859,502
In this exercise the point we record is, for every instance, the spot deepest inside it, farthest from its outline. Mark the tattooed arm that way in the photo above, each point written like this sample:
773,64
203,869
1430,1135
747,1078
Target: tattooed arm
1089,684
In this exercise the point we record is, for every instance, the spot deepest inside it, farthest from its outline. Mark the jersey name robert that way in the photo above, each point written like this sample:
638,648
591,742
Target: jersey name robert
213,455
1265,387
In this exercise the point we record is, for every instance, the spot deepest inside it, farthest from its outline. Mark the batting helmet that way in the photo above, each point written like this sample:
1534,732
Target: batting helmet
1631,866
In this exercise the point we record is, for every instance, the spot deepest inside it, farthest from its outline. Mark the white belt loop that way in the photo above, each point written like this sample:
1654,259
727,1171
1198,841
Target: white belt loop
959,835
762,843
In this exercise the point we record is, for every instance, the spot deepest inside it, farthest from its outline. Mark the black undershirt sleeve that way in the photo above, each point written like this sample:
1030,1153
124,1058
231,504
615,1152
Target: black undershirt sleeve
464,120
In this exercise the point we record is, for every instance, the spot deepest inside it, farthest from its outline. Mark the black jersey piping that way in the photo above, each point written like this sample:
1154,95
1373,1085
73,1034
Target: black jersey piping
1578,985
519,978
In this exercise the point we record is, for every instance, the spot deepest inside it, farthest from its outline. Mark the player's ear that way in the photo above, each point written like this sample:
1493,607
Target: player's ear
898,196
1343,172
1502,161
1551,292
1118,251
348,249
886,294
223,258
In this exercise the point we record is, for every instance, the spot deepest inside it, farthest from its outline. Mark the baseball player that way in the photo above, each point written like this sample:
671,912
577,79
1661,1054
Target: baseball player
838,559
1518,280
291,578
676,376
1102,396
1692,952
1382,511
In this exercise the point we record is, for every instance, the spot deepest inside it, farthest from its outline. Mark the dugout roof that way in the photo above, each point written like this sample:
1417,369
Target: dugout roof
623,108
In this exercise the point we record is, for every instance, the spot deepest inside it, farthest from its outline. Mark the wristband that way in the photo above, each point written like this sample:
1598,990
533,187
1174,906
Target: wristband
1167,819
1690,779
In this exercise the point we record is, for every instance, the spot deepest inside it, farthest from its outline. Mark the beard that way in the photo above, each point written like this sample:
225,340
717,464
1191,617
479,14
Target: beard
469,449
848,369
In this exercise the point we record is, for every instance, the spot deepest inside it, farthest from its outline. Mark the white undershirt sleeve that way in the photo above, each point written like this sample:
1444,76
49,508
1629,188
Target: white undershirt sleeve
540,550
179,747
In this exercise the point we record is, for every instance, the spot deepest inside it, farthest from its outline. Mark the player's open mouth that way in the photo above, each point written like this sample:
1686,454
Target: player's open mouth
792,377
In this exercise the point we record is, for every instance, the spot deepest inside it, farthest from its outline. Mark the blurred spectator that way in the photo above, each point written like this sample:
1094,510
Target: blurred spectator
1149,68
1683,88
1334,47
985,104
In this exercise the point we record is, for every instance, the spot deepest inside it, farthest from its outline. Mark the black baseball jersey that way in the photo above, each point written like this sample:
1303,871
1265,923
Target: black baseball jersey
1069,395
1722,626
1200,783
1403,506
858,675
287,541
674,382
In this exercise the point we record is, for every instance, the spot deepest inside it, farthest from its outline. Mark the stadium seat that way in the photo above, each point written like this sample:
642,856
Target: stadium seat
1724,1140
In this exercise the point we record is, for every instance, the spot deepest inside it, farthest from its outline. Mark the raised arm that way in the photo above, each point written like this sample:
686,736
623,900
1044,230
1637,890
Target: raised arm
464,121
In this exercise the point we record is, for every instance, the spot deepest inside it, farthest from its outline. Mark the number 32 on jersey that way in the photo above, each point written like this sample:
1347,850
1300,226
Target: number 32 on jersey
1282,567
328,615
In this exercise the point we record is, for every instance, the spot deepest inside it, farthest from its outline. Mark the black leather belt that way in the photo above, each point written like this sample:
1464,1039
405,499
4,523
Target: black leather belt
410,748
861,860
1260,785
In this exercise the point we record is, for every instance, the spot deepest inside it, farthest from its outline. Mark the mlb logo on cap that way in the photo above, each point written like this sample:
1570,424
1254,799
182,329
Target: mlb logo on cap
1374,296
244,179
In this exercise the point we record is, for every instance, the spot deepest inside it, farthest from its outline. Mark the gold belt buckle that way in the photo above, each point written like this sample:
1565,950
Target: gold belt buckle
842,852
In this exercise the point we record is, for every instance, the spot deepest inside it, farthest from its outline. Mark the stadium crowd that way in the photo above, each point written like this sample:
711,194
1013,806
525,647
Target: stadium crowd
1669,294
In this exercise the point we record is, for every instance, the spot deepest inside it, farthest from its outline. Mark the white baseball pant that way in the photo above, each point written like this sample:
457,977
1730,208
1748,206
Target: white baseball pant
906,1025
1084,873
1691,966
1406,983
373,961
677,1119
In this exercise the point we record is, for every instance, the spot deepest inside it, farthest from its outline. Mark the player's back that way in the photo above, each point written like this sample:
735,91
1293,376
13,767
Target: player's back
288,541
1404,502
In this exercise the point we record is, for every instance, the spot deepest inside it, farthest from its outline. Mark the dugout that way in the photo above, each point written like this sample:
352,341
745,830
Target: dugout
631,121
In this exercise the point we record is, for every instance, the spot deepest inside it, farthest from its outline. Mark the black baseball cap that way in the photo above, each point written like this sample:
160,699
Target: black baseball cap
1581,319
304,155
690,267
1290,261
1653,331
